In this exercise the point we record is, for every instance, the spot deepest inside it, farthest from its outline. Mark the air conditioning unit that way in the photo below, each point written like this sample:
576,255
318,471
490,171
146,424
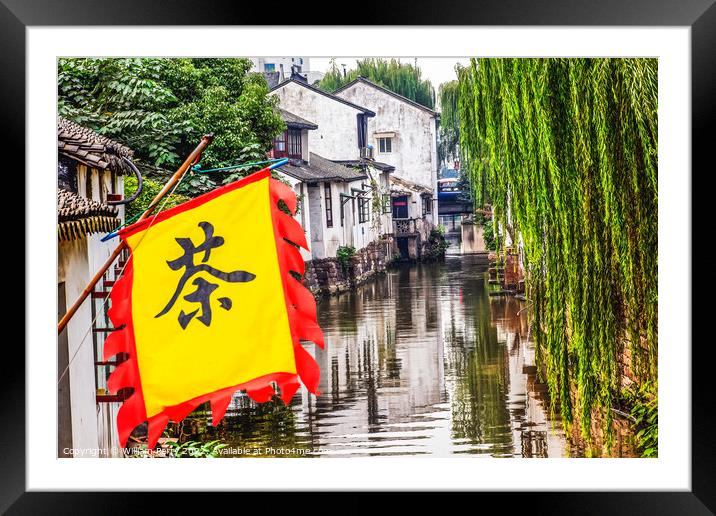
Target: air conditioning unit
366,152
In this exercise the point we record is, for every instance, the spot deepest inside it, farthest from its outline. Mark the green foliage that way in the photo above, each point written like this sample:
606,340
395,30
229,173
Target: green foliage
161,107
436,245
568,147
643,406
344,254
488,234
449,142
150,189
195,449
402,78
645,412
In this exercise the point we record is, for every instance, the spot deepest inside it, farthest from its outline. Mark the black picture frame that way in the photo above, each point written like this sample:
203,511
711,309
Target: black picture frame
700,15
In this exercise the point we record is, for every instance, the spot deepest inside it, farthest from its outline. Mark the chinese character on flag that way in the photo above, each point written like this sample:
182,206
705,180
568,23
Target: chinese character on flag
207,306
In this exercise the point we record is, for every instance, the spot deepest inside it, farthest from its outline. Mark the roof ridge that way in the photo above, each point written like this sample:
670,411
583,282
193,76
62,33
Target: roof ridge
405,99
324,93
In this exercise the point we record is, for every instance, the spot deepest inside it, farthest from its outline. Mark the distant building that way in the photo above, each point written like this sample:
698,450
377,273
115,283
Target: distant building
90,189
403,134
278,69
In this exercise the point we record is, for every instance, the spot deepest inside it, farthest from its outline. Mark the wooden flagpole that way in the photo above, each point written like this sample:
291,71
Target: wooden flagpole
193,158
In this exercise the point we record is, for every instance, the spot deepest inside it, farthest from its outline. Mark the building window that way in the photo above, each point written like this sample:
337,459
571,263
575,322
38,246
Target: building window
400,207
427,205
269,67
279,145
294,144
386,203
329,205
385,145
363,209
362,130
288,145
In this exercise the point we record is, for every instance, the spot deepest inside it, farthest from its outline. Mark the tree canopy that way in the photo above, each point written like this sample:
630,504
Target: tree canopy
161,107
402,78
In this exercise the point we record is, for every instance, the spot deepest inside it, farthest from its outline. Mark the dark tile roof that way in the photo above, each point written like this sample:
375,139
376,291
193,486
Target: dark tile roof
78,216
383,167
389,92
92,149
325,94
72,206
400,185
295,121
320,169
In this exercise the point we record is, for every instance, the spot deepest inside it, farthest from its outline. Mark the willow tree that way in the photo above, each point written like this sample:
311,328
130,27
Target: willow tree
567,149
449,144
402,78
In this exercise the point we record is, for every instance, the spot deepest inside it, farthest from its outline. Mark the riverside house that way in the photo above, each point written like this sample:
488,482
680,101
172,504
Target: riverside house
90,190
344,199
403,134
341,137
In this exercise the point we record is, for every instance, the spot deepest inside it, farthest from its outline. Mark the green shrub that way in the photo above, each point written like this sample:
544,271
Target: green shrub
344,254
436,244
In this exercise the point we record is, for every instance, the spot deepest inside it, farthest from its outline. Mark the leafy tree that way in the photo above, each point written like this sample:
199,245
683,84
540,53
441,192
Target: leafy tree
402,78
150,189
161,107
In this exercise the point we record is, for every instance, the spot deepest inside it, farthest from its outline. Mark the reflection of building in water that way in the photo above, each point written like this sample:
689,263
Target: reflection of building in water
477,374
388,366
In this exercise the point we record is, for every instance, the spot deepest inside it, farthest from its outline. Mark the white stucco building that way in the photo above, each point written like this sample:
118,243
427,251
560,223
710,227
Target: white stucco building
342,125
90,179
403,134
344,200
336,201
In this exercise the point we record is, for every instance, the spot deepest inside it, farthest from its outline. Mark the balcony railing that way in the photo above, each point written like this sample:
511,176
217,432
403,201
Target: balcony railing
406,226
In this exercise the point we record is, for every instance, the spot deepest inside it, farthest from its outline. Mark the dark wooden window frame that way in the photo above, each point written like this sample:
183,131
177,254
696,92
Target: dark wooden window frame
427,204
385,144
363,209
328,198
395,207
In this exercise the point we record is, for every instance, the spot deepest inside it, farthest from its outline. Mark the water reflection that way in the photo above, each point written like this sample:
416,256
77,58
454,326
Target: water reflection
423,361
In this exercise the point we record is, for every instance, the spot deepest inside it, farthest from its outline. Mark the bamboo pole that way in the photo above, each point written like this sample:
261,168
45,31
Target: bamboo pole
192,158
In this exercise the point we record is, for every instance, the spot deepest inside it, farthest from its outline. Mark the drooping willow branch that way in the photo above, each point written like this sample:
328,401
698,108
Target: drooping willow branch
566,149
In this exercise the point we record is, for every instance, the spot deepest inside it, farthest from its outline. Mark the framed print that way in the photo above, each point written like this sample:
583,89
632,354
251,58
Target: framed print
421,243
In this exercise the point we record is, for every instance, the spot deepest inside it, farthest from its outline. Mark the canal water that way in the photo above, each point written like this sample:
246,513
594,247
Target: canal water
421,361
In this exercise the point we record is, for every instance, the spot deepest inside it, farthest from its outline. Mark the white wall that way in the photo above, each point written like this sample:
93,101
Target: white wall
337,135
414,149
73,269
324,241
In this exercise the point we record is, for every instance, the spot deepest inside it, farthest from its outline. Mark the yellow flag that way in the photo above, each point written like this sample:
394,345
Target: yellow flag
207,306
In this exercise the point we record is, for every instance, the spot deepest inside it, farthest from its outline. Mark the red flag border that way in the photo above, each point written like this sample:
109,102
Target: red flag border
300,308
